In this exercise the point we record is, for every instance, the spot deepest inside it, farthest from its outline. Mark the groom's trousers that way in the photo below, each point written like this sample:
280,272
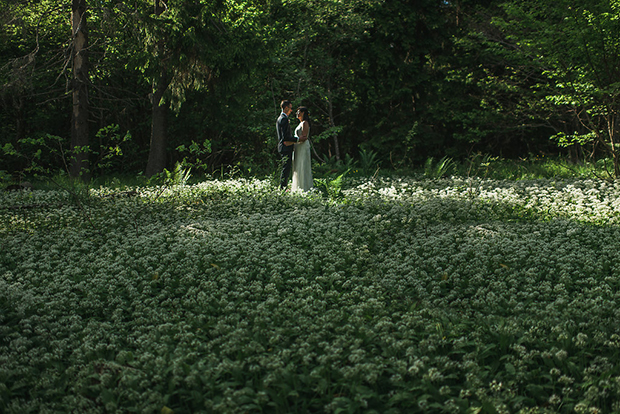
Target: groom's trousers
287,165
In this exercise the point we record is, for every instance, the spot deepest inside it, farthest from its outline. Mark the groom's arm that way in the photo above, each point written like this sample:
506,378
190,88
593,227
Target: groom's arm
287,138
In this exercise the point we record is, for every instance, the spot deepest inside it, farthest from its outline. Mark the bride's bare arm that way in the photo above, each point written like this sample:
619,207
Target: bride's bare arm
305,131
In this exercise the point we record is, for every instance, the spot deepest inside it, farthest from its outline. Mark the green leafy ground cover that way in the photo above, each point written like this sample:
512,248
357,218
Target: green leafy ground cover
401,296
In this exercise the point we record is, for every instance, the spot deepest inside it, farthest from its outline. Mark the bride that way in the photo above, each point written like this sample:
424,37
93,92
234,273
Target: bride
302,164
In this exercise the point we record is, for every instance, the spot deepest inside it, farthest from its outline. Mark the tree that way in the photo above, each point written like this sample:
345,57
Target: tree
368,70
325,45
405,79
79,120
481,97
398,79
33,96
575,46
159,121
196,46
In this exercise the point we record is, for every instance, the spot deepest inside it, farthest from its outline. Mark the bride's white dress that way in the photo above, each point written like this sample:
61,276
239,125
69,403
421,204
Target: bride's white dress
302,164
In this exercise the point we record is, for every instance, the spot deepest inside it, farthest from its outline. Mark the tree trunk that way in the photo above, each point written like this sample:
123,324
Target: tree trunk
20,117
159,127
159,122
79,120
330,108
614,138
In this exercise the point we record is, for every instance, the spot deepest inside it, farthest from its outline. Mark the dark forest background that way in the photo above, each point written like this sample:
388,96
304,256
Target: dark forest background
96,87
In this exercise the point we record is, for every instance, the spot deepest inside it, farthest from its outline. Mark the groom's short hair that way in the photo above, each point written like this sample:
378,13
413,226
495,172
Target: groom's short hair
285,103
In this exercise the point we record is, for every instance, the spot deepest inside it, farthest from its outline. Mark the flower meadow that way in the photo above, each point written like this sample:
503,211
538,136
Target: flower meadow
401,296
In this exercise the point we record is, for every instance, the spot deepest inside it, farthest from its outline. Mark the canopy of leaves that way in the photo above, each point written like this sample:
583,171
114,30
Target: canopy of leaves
406,80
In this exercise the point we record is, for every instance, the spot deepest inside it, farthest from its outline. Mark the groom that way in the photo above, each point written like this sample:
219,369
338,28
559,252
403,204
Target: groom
285,142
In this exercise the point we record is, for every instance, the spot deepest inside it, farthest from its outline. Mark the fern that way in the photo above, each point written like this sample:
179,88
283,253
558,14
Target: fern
443,168
331,188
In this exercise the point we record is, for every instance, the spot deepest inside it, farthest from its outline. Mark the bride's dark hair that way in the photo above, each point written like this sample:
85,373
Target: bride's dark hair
304,111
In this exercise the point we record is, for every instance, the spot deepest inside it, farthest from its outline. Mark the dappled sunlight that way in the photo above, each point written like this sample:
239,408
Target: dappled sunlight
452,292
592,201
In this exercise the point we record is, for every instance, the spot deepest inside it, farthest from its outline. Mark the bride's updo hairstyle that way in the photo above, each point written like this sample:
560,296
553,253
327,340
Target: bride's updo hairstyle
306,116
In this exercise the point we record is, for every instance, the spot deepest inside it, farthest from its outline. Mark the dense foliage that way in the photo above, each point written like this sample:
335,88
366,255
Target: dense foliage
402,295
406,80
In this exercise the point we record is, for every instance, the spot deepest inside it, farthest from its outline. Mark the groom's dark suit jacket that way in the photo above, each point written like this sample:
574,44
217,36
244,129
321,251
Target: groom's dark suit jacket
284,134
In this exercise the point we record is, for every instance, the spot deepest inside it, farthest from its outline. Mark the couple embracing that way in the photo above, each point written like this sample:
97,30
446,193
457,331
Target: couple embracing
294,150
